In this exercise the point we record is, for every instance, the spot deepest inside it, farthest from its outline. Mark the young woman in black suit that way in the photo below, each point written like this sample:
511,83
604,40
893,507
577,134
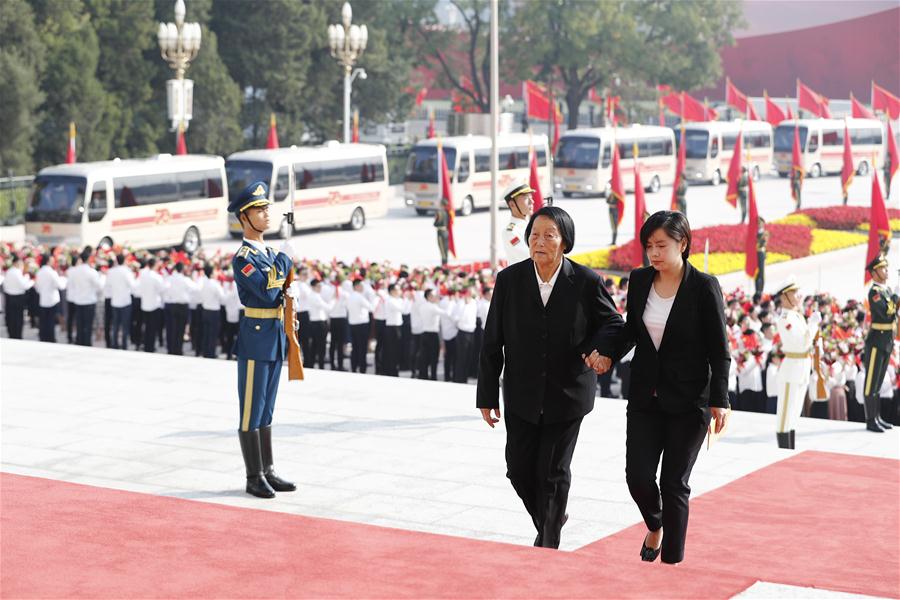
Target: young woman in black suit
679,379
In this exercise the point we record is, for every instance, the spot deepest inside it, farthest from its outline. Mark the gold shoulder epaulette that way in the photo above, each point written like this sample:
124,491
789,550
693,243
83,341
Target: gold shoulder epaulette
243,251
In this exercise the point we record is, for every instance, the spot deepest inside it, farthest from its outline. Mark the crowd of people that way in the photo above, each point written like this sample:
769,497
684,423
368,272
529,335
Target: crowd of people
383,318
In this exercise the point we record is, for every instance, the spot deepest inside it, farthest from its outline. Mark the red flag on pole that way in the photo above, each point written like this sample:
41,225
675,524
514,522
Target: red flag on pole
751,262
774,114
885,101
272,139
70,152
431,132
858,111
533,180
180,144
662,114
879,225
736,98
537,101
892,156
847,169
734,170
616,189
811,101
446,194
790,115
796,161
679,171
556,120
640,209
355,135
751,112
420,97
594,97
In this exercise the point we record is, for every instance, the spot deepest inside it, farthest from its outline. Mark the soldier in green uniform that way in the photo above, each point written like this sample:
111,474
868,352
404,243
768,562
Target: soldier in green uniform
879,341
681,195
796,184
441,219
613,216
887,175
762,238
742,193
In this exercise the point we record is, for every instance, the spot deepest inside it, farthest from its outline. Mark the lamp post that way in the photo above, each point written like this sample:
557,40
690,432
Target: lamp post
347,43
179,43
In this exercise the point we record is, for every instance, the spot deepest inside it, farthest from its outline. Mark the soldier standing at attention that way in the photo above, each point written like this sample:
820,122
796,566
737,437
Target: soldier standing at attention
762,238
681,195
879,341
742,193
796,185
260,275
520,201
441,220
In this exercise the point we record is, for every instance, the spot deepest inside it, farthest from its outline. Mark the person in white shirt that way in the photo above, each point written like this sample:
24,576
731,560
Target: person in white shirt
178,298
520,200
466,316
337,318
772,382
318,325
449,331
195,310
121,284
211,298
48,284
15,284
483,304
233,309
429,350
393,322
82,290
301,293
415,331
150,286
378,318
750,381
358,314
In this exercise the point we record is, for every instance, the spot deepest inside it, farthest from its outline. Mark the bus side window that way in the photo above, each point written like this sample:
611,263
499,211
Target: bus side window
482,160
813,144
97,206
714,148
282,183
541,157
606,156
463,172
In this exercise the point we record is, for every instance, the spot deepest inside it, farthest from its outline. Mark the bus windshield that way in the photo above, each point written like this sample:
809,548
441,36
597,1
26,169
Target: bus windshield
784,138
421,166
241,173
57,199
578,153
696,144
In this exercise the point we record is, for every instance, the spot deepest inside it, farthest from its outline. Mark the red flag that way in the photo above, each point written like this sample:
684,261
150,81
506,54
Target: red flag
446,194
640,209
847,169
70,152
736,98
180,145
662,114
594,97
751,264
858,111
431,132
734,170
879,225
892,153
774,114
612,103
533,180
679,171
811,101
272,139
420,97
751,112
616,189
556,120
355,135
885,101
537,101
796,161
790,115
694,110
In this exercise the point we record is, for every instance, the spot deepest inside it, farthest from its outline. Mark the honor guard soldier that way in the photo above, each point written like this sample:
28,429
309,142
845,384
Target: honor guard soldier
441,221
259,273
797,338
520,201
681,195
742,184
879,341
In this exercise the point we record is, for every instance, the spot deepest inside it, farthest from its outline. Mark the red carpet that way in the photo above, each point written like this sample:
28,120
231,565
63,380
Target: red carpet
822,520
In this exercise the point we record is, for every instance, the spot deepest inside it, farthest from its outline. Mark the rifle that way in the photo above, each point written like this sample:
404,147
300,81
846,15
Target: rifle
295,363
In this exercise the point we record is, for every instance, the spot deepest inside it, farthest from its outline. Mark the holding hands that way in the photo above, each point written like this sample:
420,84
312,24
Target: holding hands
599,363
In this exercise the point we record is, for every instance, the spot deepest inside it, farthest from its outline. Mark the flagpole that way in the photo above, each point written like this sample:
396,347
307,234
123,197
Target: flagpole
495,121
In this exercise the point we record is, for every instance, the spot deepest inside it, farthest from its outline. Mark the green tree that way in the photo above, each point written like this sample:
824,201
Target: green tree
21,62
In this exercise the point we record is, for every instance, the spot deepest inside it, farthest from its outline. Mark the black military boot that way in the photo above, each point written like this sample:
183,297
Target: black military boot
784,439
256,481
872,415
791,439
265,444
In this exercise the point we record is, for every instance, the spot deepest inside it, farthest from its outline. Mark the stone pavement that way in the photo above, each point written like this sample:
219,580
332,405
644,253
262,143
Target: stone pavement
393,452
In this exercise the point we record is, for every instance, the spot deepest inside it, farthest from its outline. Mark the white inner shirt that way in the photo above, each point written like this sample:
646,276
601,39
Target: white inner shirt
656,313
546,288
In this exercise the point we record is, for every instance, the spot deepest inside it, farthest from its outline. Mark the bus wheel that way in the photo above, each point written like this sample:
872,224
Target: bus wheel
756,173
421,212
357,219
467,206
816,170
106,243
191,241
863,169
285,230
716,178
654,185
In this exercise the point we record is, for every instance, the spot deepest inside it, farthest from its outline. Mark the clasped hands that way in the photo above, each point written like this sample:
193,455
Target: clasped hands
599,363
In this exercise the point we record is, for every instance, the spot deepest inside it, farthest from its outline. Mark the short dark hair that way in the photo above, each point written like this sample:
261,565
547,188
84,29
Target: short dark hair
563,221
208,270
151,262
391,287
120,259
429,293
179,267
673,223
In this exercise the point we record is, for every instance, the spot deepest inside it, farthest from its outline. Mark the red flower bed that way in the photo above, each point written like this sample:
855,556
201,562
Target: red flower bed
844,218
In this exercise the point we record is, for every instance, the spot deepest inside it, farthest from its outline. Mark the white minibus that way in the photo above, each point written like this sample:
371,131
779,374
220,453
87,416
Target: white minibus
710,146
822,144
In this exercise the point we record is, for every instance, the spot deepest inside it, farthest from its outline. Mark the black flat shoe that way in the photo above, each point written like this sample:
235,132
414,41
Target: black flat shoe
649,554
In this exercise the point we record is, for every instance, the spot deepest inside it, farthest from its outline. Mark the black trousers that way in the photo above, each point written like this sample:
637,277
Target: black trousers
338,330
415,345
210,333
178,317
477,341
407,359
121,323
107,321
14,306
464,340
876,358
303,334
196,330
47,323
449,359
379,346
137,322
678,438
359,338
229,334
538,464
70,321
318,331
84,324
152,325
390,358
429,352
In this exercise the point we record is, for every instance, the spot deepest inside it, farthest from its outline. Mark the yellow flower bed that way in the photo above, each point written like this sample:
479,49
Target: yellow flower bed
797,219
826,240
895,225
595,259
721,263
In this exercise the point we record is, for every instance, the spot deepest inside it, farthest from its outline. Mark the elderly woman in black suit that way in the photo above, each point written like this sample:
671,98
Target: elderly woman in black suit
549,322
679,379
